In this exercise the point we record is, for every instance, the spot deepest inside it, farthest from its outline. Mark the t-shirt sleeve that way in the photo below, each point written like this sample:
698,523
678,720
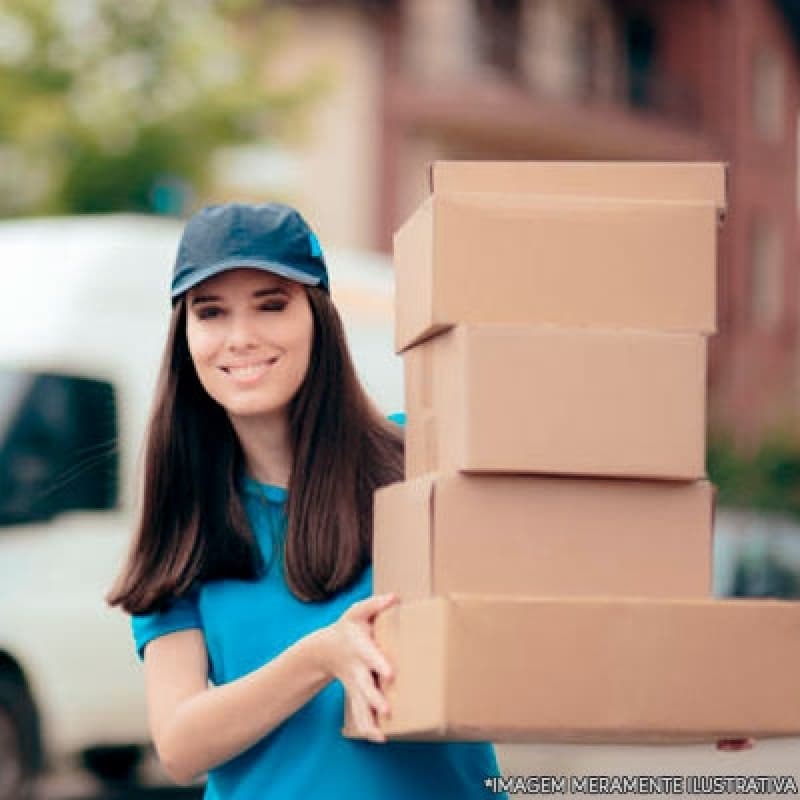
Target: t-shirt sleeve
398,417
181,615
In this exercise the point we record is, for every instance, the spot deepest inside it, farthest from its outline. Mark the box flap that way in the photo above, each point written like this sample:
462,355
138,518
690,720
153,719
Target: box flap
641,180
413,255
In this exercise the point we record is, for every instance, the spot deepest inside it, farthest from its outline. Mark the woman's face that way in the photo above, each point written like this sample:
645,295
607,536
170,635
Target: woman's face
250,335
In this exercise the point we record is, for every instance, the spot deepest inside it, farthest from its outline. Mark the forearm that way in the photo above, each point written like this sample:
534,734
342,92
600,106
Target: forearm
218,724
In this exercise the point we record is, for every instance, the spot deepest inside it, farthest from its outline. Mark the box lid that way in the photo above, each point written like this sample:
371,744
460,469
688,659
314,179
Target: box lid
676,181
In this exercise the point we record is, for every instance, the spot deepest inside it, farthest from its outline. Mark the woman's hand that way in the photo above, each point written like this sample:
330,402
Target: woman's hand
734,744
351,655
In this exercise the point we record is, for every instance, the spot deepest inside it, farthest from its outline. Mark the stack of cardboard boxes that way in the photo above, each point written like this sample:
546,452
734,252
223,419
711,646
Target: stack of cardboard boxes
552,541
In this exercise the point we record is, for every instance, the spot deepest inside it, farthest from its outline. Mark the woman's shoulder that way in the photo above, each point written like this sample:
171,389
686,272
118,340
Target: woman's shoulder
179,614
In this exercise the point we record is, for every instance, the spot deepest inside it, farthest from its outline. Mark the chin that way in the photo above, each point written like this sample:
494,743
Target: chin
254,407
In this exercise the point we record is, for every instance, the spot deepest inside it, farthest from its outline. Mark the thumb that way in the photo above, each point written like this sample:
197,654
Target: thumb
369,607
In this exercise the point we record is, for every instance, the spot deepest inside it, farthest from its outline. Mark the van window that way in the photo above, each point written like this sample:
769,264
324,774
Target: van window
58,445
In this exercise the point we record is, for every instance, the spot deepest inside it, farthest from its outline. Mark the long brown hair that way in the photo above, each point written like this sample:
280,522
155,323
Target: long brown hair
192,526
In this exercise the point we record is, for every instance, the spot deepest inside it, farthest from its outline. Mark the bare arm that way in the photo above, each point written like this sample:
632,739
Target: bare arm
196,728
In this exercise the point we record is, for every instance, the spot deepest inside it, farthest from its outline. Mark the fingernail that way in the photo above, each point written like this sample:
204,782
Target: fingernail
735,744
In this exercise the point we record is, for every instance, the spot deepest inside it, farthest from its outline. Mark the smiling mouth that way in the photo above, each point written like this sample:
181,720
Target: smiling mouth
250,371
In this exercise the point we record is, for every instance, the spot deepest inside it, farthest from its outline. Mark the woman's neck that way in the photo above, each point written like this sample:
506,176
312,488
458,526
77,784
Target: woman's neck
266,447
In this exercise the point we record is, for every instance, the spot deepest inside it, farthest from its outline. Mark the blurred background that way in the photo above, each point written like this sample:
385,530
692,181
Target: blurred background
119,119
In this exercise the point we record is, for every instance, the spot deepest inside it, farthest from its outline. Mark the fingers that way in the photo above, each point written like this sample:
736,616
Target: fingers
368,608
359,712
364,717
361,647
361,658
374,658
371,692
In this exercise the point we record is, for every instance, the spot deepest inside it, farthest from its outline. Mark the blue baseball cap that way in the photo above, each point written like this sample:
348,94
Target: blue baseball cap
271,236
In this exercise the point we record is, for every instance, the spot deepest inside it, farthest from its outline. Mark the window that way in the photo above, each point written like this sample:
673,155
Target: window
766,273
499,23
768,95
641,50
58,445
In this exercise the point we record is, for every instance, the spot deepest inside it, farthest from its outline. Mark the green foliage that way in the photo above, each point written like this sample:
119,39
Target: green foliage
767,478
102,102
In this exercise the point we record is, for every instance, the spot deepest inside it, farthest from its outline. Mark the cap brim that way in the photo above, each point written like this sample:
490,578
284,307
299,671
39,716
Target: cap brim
199,275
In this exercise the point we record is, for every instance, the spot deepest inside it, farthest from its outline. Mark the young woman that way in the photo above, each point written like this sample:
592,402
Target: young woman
251,563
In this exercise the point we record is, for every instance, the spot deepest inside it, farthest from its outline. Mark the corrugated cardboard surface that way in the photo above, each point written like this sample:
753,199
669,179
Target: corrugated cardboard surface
546,399
533,535
673,180
592,670
519,259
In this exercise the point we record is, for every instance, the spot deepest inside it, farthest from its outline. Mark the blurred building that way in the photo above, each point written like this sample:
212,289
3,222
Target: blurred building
418,80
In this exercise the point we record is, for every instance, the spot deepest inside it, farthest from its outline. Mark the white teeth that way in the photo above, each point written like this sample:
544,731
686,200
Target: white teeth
246,372
249,372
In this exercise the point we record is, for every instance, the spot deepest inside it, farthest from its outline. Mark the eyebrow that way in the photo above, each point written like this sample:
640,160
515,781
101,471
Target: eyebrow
210,298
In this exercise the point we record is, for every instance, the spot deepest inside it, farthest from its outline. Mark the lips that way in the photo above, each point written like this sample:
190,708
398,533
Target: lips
250,371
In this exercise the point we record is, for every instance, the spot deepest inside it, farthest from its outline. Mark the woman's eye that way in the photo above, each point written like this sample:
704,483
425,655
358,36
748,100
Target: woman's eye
207,313
273,306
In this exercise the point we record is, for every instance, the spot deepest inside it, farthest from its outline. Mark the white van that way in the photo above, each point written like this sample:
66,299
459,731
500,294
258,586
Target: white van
82,327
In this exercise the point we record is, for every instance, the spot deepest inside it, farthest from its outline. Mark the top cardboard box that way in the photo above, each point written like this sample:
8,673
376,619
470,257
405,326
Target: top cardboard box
682,182
574,261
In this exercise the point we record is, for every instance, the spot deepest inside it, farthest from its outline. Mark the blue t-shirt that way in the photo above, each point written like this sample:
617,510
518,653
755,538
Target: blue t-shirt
245,625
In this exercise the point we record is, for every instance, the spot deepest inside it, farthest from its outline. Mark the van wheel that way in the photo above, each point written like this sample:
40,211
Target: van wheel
116,764
19,740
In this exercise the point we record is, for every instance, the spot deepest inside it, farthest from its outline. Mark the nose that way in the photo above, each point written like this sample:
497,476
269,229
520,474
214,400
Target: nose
241,333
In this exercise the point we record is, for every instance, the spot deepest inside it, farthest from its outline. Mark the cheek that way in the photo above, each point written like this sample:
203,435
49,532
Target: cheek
299,368
302,340
203,340
202,349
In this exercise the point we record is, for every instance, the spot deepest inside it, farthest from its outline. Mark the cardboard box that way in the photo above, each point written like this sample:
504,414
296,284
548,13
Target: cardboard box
544,399
485,258
591,670
682,182
533,535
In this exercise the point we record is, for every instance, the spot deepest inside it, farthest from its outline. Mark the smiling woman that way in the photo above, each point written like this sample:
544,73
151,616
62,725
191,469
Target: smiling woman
249,334
251,561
